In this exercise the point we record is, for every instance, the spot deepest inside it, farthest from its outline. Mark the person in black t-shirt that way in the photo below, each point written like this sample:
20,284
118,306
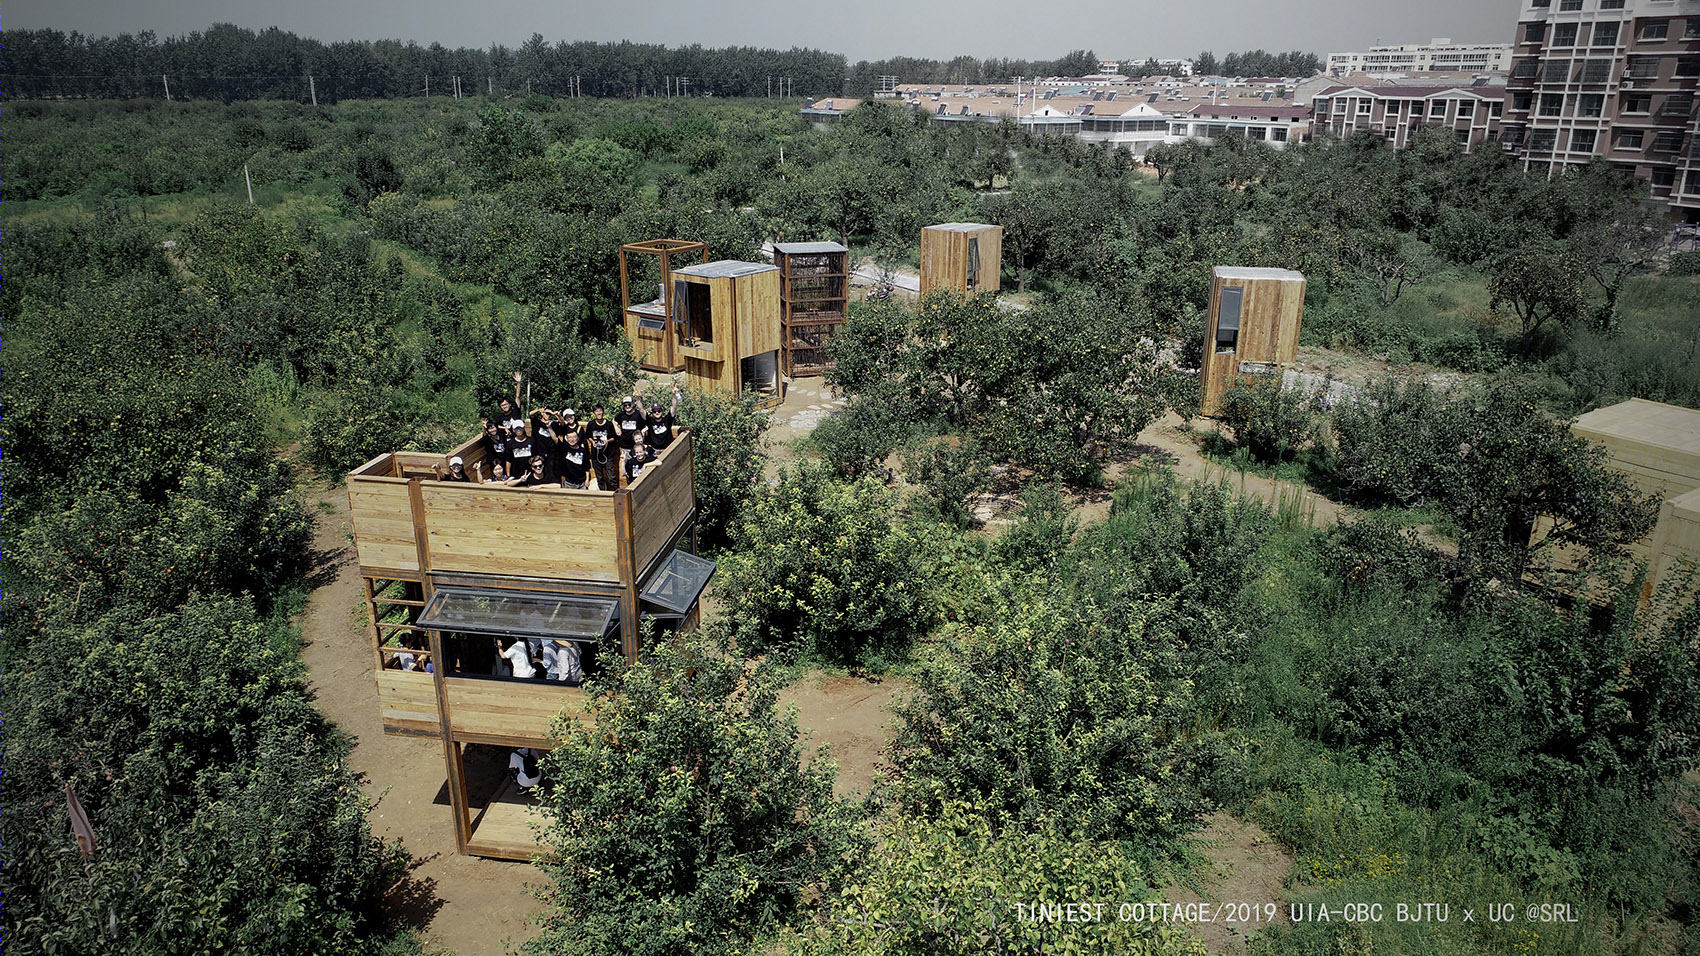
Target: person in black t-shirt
521,449
574,460
631,421
569,422
495,443
604,438
534,476
661,426
457,470
637,458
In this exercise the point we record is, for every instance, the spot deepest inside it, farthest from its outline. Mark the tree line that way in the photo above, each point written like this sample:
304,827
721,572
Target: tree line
228,62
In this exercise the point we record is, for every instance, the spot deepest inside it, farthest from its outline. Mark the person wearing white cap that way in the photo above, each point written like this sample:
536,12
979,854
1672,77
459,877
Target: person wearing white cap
457,470
631,421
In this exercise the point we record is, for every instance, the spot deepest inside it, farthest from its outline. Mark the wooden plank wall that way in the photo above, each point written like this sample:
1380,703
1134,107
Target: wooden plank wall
1656,445
382,515
1270,315
408,702
758,307
506,712
491,529
664,496
944,259
1676,538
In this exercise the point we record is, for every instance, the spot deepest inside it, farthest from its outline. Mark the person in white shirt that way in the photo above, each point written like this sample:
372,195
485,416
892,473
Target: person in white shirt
523,767
519,661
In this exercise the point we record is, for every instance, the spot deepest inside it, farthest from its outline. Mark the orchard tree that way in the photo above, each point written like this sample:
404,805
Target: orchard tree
682,818
1540,282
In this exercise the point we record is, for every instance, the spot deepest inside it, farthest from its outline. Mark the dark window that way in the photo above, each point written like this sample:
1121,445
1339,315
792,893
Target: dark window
1629,139
1526,69
1542,140
1668,141
695,312
973,262
1555,71
1228,318
1520,101
1540,3
1564,34
1437,108
1590,104
1643,67
1663,176
1655,29
1678,104
1637,102
1688,66
1552,104
1466,108
1596,71
1605,34
1611,4
1691,31
1534,32
1278,134
1582,141
1565,6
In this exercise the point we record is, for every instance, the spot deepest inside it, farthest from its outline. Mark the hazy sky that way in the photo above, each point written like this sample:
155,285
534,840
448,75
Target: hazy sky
870,30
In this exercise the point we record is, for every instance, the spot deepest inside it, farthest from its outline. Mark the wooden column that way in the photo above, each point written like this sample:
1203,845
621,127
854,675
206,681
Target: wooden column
624,534
451,750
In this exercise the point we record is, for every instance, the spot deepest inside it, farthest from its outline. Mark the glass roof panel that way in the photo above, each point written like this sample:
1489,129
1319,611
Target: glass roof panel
678,582
490,611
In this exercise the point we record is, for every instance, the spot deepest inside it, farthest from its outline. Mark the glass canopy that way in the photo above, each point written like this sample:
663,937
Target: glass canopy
527,613
678,582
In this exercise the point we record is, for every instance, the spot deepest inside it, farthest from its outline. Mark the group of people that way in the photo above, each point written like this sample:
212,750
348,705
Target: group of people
536,658
546,448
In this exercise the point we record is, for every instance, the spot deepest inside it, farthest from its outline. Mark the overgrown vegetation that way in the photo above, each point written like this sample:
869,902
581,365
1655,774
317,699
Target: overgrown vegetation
1416,724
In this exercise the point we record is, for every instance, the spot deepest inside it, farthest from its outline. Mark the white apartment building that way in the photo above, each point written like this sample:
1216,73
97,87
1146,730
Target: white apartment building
1439,55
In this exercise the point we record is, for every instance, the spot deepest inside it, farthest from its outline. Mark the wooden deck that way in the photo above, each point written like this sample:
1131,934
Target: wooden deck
507,829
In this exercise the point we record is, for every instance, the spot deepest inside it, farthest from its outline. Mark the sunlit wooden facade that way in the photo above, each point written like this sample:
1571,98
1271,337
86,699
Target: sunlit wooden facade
443,561
727,320
647,267
1253,328
963,257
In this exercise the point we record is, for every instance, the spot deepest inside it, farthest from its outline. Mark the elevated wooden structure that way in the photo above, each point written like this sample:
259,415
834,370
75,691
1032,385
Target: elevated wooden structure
814,300
726,318
964,257
449,567
1657,446
1253,328
649,323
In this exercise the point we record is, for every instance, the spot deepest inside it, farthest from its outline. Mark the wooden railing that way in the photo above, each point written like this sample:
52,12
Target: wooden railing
547,532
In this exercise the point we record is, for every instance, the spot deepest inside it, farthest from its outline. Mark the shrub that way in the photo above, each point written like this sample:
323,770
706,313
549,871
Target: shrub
948,473
953,885
682,817
224,810
1269,419
726,443
1035,711
820,567
1683,264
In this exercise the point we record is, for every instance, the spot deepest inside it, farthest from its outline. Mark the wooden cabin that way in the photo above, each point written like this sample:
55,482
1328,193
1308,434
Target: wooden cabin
647,267
451,567
1253,329
727,324
1657,447
964,257
814,300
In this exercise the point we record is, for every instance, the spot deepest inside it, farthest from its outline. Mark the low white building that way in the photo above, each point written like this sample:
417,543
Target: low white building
1275,125
1439,55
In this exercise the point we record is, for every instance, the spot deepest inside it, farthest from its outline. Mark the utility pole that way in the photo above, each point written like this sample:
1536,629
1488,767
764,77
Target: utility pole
427,86
167,81
312,89
250,181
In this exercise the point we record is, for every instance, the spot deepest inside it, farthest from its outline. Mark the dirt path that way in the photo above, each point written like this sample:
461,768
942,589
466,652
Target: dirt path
464,904
1244,865
1168,440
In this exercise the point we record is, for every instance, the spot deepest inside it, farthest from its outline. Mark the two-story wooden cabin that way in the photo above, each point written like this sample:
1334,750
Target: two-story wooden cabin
450,568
